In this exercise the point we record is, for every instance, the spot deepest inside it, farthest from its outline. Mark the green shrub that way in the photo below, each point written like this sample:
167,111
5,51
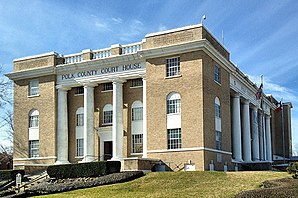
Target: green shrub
91,169
293,169
10,174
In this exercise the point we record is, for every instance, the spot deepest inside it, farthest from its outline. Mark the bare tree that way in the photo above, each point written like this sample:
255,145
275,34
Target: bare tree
295,150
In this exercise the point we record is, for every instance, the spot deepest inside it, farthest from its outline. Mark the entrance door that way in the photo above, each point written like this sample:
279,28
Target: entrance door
108,150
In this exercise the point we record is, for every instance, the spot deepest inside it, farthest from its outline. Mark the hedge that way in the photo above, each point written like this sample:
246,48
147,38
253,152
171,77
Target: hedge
90,169
293,169
10,174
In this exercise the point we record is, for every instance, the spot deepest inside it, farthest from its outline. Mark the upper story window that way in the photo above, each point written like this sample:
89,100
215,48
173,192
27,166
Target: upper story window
173,66
108,86
217,74
108,114
217,108
137,82
33,88
79,90
34,118
173,103
137,110
80,116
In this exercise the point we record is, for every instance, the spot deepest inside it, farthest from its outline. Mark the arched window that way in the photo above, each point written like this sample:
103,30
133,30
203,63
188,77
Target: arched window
218,124
108,114
137,126
33,133
80,132
137,110
173,103
33,118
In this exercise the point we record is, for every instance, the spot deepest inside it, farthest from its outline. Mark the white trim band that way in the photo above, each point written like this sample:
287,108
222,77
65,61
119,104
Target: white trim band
190,149
34,158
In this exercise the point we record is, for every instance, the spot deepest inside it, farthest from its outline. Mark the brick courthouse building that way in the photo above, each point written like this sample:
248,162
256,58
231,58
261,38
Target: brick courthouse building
175,97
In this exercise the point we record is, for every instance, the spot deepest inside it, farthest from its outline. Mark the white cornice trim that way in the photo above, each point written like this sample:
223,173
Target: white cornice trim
32,73
173,30
35,56
189,149
35,158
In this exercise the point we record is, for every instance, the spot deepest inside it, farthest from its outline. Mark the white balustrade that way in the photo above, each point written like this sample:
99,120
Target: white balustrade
73,58
131,48
102,53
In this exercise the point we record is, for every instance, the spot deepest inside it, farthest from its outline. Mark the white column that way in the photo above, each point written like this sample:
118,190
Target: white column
88,122
246,132
261,136
255,135
268,138
264,138
144,119
101,152
236,128
62,126
117,130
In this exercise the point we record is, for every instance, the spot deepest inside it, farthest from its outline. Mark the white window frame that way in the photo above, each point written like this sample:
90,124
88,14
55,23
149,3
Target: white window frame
173,67
33,88
174,103
137,143
80,147
80,119
34,119
218,139
79,91
174,138
107,114
138,82
33,148
137,113
108,86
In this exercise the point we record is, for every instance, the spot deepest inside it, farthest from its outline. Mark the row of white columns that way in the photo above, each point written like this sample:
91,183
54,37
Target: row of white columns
251,137
117,128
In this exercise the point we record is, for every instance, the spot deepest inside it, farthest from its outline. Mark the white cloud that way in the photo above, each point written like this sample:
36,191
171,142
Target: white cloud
162,27
117,20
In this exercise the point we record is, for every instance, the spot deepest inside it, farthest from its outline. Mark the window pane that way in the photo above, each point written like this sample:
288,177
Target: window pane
33,87
173,66
137,113
108,86
217,110
137,82
137,143
216,73
173,106
80,119
33,121
80,90
80,147
218,140
108,117
33,148
174,138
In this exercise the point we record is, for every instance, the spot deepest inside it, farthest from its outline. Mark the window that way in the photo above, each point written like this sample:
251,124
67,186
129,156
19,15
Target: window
33,118
217,74
108,114
173,103
137,143
108,86
137,113
173,66
33,148
174,138
79,90
80,147
218,140
33,88
137,82
80,119
217,110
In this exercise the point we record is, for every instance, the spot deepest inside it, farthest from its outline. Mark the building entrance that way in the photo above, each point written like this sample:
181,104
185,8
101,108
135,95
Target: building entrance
108,150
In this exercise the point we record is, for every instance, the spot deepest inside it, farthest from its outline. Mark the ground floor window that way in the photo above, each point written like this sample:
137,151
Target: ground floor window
137,143
174,138
33,148
80,147
218,140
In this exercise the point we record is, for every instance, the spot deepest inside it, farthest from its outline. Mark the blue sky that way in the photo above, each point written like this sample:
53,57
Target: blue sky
260,35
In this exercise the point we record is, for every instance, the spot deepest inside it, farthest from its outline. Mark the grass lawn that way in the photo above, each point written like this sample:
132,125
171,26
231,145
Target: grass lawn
180,184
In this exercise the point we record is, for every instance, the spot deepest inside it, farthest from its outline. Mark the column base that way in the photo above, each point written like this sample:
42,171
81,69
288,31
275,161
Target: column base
237,160
58,162
116,159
